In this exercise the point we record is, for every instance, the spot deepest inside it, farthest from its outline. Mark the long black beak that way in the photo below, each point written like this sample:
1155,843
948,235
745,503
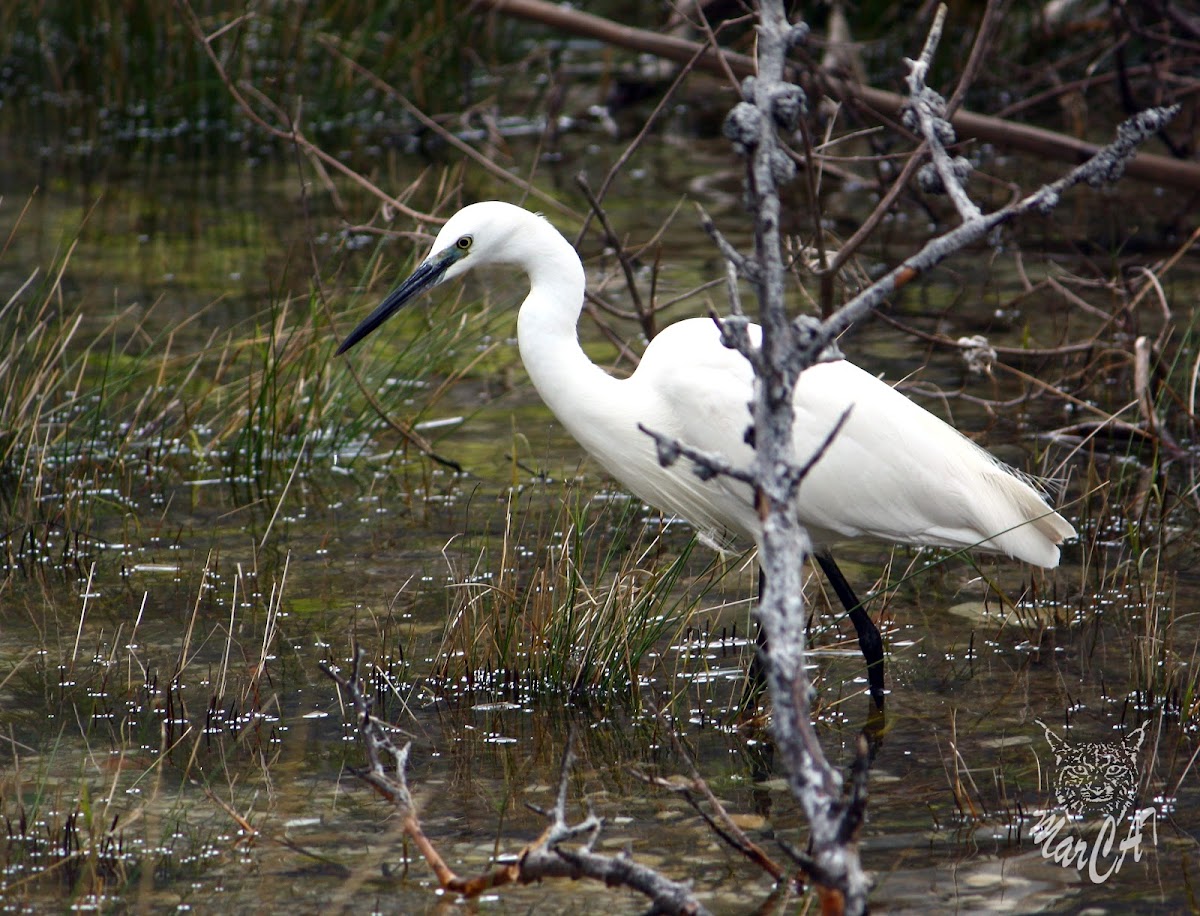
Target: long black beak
426,276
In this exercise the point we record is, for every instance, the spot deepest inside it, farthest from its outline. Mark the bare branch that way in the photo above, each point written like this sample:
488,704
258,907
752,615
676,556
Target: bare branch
772,105
707,465
1102,168
926,114
735,329
645,315
743,265
546,857
291,133
795,475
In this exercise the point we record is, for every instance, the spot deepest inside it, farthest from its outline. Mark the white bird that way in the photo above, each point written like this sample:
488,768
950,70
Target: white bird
894,472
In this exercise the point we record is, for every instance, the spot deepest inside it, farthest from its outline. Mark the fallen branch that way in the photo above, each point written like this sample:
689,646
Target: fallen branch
1178,173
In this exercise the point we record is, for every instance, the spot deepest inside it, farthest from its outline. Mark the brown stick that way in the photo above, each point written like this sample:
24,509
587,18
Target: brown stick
1146,166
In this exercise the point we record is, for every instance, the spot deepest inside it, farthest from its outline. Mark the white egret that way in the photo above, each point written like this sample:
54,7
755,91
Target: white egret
894,473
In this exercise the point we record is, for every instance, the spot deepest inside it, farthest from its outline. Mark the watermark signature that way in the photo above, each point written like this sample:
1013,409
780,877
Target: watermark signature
1095,781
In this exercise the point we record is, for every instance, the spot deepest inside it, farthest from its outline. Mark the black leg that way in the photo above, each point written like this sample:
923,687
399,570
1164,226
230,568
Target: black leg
756,677
869,640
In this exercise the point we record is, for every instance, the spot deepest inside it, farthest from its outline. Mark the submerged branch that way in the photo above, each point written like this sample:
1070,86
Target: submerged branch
693,788
546,857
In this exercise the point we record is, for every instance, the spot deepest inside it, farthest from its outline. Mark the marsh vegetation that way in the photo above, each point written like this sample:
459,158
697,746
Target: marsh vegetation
200,506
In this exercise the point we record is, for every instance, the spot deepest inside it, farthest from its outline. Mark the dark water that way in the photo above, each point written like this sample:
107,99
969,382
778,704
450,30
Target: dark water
172,661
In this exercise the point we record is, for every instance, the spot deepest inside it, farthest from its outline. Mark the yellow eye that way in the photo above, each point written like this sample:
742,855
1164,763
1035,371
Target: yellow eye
464,243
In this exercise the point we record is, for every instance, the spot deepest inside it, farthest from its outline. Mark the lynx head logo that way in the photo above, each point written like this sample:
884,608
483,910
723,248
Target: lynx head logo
1096,779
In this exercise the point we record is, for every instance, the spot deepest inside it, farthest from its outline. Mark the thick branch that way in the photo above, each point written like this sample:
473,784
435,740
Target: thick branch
772,105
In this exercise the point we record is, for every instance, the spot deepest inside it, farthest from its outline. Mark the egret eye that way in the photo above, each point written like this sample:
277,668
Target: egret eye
464,243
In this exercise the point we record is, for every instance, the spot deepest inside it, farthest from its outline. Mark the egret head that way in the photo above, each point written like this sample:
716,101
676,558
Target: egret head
482,233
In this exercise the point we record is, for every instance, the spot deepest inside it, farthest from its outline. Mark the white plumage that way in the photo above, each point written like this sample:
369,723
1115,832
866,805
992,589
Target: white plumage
894,473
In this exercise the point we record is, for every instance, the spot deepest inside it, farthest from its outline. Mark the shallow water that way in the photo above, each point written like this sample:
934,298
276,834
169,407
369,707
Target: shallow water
169,663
